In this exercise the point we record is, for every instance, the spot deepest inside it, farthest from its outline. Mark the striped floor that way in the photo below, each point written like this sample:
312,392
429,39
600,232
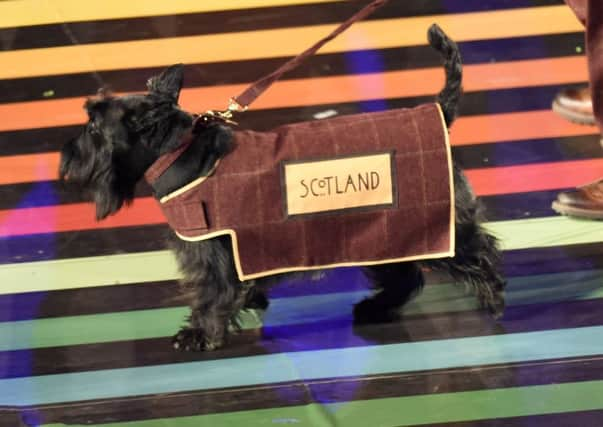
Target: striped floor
87,308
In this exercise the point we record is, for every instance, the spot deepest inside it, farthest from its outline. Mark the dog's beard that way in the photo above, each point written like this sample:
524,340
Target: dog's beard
92,175
107,201
102,191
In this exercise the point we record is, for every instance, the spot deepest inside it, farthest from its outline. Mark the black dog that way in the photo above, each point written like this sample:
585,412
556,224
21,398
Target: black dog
125,135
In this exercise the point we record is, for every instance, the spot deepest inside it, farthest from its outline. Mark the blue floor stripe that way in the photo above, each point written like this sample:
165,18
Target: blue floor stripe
305,365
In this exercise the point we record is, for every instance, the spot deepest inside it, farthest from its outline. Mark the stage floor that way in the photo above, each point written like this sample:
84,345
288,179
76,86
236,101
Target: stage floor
87,308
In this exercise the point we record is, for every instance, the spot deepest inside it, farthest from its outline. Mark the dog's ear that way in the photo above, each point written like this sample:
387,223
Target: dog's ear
168,83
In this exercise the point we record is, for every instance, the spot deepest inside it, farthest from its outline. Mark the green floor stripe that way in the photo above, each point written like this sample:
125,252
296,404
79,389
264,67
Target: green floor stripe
412,410
144,324
160,265
546,232
87,272
101,328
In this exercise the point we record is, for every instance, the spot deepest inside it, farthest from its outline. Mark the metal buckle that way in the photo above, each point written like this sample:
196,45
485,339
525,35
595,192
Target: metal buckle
226,115
221,116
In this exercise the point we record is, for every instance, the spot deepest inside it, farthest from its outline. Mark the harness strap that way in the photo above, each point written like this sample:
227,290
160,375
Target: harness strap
164,162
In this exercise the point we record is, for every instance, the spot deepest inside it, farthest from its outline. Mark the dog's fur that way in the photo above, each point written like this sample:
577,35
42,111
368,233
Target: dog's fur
125,135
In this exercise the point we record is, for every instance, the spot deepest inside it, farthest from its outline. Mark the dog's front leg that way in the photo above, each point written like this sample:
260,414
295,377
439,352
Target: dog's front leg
214,292
208,322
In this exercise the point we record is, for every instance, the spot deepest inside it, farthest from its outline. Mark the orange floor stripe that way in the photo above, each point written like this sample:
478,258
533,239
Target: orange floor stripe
284,42
324,90
514,127
535,177
145,211
29,168
466,130
76,217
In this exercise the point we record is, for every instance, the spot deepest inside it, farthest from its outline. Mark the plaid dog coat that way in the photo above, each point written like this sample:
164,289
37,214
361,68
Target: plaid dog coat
362,189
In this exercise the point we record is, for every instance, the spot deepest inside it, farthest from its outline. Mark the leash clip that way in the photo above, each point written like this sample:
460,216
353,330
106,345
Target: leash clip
235,107
226,115
218,116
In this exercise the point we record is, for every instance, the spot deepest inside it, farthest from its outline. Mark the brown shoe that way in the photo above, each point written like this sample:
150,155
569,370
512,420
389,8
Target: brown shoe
583,202
575,105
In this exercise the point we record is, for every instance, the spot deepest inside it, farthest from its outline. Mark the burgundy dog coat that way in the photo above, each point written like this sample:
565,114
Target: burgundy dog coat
355,190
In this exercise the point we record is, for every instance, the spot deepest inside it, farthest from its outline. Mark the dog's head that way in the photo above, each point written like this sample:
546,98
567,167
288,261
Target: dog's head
122,138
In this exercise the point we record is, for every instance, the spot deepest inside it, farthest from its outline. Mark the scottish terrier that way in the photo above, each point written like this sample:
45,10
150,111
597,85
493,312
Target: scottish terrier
124,135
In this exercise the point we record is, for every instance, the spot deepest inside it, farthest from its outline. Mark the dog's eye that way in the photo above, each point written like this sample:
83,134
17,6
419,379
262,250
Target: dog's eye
93,128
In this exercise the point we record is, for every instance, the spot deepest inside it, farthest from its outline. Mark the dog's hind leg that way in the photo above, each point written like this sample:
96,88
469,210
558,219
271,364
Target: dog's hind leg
477,258
395,284
476,264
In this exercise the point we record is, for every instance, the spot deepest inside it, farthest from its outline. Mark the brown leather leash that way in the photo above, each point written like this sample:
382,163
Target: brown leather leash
241,102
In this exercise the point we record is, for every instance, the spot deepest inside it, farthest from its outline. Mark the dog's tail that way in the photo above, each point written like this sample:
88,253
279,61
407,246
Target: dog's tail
448,98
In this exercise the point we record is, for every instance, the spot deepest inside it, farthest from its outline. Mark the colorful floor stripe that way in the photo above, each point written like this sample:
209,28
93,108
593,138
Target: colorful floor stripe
145,211
408,411
301,92
283,42
391,59
87,309
478,106
467,131
36,12
444,298
160,265
302,365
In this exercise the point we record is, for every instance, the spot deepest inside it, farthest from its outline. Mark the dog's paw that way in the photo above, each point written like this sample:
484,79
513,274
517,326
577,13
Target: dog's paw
496,306
194,340
372,310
